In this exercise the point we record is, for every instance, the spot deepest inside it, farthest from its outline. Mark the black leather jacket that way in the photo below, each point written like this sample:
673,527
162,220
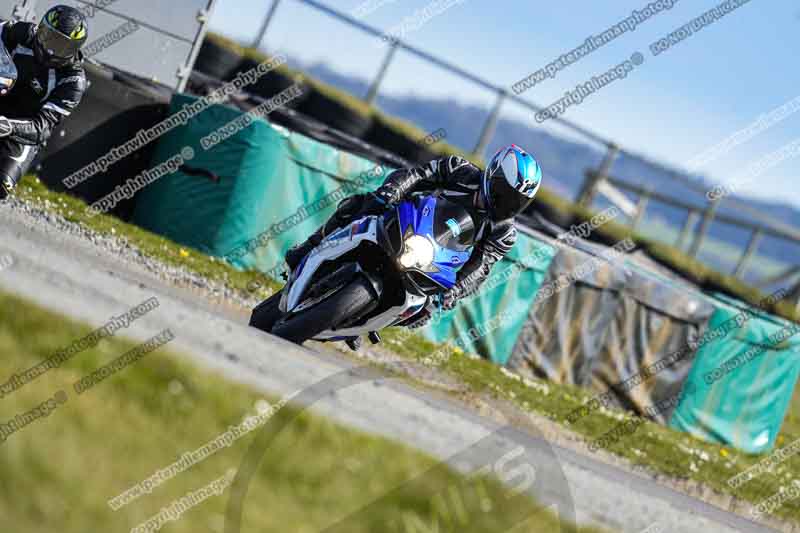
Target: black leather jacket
42,97
459,181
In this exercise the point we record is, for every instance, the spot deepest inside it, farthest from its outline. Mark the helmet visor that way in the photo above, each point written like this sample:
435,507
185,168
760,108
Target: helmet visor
56,44
505,200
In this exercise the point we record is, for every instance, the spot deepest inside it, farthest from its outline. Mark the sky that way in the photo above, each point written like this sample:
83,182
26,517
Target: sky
671,108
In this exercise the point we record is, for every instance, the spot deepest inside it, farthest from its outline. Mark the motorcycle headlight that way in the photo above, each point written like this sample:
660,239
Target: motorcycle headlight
418,252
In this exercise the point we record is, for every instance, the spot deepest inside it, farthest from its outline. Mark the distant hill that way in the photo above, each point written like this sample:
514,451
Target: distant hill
565,162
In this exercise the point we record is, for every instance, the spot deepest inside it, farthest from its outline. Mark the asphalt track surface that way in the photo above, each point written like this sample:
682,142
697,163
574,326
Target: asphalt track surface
60,267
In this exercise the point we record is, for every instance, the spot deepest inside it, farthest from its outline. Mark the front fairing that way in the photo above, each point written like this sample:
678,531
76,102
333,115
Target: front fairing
448,226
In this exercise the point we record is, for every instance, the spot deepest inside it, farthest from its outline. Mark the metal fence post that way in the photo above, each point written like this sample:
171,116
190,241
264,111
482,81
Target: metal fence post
589,189
490,125
265,25
752,246
185,72
26,11
691,219
641,207
708,218
372,94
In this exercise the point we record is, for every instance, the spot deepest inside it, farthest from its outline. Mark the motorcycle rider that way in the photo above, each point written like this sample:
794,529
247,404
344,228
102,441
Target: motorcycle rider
492,197
50,85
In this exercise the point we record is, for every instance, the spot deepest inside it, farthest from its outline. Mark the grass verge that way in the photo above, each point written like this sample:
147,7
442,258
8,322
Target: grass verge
58,472
660,449
150,244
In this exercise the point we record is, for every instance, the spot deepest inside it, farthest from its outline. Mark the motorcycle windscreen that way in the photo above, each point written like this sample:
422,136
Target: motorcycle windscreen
449,226
453,228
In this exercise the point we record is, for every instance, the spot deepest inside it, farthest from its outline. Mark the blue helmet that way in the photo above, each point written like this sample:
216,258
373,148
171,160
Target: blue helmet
510,182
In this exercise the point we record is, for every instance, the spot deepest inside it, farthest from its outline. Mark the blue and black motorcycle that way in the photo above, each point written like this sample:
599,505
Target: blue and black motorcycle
378,271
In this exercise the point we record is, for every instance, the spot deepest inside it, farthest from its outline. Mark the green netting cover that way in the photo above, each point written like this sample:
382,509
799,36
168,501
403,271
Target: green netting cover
489,324
267,175
743,379
564,331
652,323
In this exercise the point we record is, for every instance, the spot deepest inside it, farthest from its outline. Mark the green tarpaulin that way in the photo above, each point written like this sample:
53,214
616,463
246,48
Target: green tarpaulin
266,175
742,379
489,324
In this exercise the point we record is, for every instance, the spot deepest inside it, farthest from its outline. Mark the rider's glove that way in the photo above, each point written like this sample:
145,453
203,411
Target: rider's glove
372,204
6,128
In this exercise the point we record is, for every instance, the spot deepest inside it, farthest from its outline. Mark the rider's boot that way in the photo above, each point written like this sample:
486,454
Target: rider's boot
296,253
7,186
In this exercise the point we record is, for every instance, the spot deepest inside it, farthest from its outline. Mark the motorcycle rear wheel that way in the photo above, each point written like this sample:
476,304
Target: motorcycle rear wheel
327,314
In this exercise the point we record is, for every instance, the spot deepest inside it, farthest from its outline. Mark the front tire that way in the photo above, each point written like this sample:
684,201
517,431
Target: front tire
267,313
327,314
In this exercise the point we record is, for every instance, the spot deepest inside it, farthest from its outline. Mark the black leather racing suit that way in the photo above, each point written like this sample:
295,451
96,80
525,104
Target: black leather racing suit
459,181
41,98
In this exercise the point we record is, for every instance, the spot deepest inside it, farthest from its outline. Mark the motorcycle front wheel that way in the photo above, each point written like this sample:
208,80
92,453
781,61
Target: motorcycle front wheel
266,313
327,314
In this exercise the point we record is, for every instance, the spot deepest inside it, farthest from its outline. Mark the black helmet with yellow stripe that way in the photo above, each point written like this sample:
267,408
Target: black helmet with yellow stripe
60,35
